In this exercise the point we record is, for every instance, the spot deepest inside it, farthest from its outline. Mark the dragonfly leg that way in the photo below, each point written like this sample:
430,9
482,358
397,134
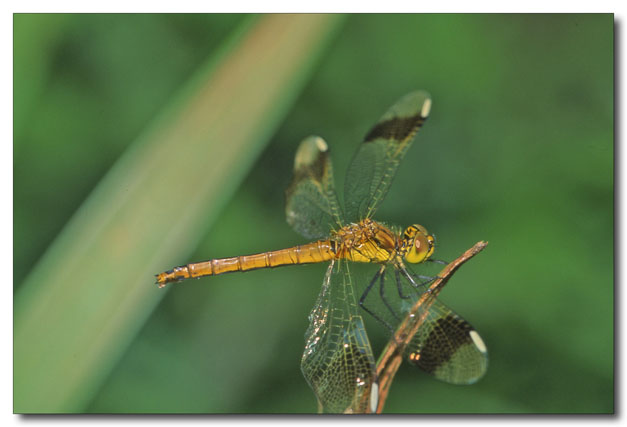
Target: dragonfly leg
418,281
423,280
410,275
437,261
382,294
399,286
363,297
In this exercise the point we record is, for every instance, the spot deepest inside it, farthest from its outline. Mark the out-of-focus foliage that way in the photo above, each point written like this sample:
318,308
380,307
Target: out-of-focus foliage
93,277
518,151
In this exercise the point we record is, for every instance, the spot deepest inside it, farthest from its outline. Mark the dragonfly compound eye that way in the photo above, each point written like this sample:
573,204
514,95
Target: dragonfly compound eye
421,245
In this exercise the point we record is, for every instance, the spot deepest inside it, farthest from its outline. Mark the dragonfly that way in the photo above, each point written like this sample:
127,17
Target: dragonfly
338,361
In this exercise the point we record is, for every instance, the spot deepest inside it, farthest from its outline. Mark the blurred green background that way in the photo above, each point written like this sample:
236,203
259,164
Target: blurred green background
518,151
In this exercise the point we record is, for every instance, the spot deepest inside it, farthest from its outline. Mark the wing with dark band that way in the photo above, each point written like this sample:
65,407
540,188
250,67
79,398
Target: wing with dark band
312,208
448,347
375,164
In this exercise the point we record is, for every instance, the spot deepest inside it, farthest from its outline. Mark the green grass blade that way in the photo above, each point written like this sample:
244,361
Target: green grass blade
85,300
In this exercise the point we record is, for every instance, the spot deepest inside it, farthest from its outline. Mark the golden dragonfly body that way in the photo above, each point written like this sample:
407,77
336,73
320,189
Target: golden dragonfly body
367,241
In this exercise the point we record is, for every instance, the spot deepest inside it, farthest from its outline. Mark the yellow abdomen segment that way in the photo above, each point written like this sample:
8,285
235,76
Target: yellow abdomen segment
319,251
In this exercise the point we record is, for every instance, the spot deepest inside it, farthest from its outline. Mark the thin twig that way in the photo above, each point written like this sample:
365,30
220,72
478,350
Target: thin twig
392,355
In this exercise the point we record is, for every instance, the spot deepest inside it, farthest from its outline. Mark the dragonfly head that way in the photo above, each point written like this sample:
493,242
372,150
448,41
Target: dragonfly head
418,244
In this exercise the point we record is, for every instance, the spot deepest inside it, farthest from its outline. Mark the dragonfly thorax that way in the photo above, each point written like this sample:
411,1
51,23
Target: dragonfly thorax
417,244
366,241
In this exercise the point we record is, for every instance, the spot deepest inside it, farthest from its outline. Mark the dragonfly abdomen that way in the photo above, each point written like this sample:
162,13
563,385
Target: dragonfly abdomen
320,251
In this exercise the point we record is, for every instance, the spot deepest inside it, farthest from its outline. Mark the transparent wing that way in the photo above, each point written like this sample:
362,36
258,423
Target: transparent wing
372,169
312,208
338,362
